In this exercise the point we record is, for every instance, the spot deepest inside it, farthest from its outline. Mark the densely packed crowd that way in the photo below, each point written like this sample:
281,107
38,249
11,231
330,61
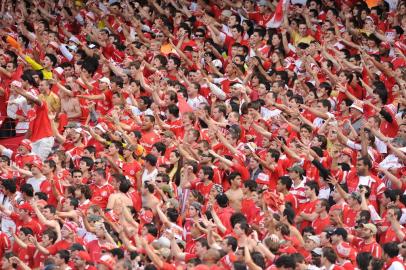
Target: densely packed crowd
177,134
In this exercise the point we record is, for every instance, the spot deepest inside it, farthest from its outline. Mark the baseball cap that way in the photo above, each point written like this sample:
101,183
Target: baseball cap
347,151
26,143
26,207
37,163
226,13
107,260
344,250
251,146
78,130
356,196
73,125
315,239
105,80
357,106
318,251
102,126
162,242
371,227
340,231
16,83
84,256
296,168
263,3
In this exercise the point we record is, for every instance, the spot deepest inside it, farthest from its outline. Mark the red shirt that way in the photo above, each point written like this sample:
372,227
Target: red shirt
319,224
390,236
40,126
202,188
149,138
374,248
101,194
104,106
47,189
176,126
5,243
32,224
308,208
63,244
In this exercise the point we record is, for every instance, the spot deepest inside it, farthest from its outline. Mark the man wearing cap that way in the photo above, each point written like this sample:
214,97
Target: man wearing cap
105,98
23,155
17,109
298,188
22,217
37,177
311,243
40,132
366,241
341,246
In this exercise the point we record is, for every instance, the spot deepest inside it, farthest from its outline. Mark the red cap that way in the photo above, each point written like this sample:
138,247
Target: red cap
344,250
347,151
26,207
108,261
37,163
27,144
84,256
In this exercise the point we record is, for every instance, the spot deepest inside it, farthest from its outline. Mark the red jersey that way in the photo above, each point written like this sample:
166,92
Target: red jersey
308,208
40,126
319,224
374,248
101,194
5,243
148,139
202,188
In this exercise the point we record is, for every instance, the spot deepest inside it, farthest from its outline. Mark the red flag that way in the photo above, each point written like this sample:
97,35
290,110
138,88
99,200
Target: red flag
184,107
277,18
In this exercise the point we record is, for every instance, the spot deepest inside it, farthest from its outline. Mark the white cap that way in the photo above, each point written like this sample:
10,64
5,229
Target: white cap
105,80
315,239
74,39
16,83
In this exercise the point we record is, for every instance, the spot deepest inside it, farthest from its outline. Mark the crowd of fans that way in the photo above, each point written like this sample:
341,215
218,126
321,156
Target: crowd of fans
177,134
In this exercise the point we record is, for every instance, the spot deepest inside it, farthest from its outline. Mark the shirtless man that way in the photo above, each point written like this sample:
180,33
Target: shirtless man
235,194
149,200
122,186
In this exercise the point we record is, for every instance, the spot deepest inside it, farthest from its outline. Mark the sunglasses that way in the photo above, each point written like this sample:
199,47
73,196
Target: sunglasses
199,36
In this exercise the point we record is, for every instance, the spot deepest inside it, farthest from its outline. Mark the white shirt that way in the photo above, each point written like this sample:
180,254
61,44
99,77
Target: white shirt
36,183
267,114
15,104
6,221
396,266
150,177
195,102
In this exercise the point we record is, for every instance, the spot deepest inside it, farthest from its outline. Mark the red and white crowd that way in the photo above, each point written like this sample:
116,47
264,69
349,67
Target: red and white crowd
202,134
